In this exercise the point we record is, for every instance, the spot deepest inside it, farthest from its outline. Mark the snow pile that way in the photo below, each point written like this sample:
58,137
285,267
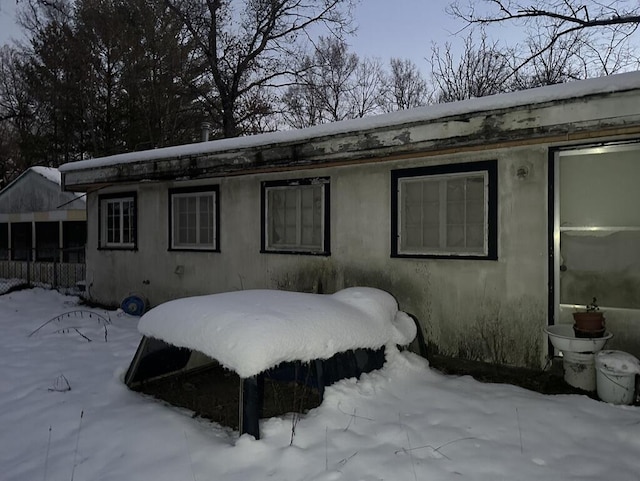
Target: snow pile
253,330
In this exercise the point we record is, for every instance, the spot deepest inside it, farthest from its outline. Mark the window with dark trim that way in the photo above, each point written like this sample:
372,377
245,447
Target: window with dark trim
118,221
193,218
447,211
295,216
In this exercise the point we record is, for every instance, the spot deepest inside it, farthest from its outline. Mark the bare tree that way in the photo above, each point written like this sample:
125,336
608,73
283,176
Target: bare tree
367,87
561,62
248,46
614,21
405,87
302,107
483,69
332,75
332,84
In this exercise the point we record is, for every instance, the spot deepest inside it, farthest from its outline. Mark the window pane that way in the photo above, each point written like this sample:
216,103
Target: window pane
276,213
290,216
191,219
311,208
421,216
455,236
412,202
455,212
113,222
117,222
475,188
475,211
205,218
455,190
443,213
431,236
475,236
127,222
295,217
412,238
194,220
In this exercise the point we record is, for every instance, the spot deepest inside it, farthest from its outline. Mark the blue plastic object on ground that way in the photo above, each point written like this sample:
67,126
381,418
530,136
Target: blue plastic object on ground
134,305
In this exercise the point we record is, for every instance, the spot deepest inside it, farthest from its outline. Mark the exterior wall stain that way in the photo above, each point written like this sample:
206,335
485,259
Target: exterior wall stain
487,328
505,332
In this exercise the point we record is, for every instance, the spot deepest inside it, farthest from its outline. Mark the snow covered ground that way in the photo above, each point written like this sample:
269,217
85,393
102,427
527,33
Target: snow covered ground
405,422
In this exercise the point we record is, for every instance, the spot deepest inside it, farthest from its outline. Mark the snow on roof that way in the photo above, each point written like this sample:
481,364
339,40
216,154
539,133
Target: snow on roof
49,173
54,175
613,83
253,330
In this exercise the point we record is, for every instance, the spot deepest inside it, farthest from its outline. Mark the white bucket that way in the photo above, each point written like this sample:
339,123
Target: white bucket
579,370
616,376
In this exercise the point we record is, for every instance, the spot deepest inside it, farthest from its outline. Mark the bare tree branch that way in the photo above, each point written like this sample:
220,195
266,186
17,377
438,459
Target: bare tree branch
246,46
615,22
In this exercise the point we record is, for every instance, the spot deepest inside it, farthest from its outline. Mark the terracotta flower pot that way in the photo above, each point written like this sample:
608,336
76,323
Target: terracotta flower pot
589,324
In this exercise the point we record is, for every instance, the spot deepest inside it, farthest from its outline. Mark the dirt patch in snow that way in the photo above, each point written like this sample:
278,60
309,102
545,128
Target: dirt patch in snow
548,381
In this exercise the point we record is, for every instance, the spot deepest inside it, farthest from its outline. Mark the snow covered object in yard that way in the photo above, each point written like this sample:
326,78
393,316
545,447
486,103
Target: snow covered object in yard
253,330
263,336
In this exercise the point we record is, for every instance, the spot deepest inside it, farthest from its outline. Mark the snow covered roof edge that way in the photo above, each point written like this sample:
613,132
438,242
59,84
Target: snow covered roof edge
50,173
614,83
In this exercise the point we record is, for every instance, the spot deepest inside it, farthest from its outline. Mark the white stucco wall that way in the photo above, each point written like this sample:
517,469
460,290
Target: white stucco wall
492,310
480,309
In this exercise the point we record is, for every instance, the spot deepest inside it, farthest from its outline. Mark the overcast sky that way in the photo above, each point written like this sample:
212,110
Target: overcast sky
386,28
8,28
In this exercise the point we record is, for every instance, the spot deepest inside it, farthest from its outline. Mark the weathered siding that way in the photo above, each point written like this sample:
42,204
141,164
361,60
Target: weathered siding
565,120
480,309
33,193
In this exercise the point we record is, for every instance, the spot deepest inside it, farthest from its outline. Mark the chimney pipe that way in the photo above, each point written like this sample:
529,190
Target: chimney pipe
205,129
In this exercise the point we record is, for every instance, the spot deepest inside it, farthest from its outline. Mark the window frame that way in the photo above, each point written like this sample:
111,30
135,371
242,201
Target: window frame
325,215
103,201
196,191
487,168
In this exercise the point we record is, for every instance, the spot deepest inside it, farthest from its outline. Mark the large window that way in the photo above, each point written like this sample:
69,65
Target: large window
118,221
194,218
445,211
296,216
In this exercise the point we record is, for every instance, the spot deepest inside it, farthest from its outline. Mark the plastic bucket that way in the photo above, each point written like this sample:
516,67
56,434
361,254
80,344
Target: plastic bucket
579,370
616,376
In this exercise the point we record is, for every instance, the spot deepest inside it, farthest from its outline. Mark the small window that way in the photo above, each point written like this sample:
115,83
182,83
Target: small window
193,218
445,211
118,221
296,216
